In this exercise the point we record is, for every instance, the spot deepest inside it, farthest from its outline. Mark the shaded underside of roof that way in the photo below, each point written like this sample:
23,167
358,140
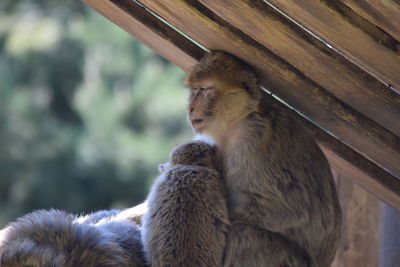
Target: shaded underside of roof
334,63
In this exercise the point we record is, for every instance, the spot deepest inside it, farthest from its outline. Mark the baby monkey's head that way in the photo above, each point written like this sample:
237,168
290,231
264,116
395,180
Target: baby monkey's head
196,153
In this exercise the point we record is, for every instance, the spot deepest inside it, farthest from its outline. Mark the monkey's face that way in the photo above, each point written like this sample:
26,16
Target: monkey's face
216,105
202,100
223,91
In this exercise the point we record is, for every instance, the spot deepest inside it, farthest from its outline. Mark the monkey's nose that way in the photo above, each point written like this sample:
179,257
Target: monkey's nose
191,109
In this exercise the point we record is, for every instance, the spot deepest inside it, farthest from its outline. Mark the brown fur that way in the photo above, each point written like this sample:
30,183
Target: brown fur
56,238
281,195
187,217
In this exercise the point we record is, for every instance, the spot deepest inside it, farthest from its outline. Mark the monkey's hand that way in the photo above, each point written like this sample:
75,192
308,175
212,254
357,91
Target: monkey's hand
134,214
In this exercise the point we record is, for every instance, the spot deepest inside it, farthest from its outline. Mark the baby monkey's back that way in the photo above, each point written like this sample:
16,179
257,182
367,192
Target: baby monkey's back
187,219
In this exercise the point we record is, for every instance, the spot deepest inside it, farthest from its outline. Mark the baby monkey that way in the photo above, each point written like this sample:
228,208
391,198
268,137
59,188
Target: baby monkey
187,218
56,238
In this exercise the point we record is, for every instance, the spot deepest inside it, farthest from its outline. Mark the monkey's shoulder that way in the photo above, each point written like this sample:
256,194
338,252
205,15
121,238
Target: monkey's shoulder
191,173
185,179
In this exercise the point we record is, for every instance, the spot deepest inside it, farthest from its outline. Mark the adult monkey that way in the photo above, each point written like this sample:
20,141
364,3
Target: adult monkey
282,200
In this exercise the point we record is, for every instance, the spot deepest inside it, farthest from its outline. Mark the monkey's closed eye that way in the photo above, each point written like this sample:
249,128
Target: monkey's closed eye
206,88
247,88
201,164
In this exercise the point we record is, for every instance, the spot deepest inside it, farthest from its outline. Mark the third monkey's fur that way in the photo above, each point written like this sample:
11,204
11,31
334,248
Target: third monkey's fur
187,218
58,239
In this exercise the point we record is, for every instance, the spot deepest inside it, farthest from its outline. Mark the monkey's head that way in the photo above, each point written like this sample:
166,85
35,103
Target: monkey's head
223,91
196,153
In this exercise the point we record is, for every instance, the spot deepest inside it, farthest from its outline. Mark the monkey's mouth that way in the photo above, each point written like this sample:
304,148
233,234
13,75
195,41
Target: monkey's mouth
196,123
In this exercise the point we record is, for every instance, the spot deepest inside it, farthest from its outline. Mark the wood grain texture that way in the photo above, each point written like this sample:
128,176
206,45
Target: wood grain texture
358,21
184,54
383,13
321,64
352,128
344,37
134,19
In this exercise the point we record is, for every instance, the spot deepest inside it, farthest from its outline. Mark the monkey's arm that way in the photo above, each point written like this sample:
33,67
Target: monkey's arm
134,214
285,210
291,179
276,208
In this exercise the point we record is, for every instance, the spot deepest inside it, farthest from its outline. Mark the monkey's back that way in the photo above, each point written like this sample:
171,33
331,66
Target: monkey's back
186,221
57,238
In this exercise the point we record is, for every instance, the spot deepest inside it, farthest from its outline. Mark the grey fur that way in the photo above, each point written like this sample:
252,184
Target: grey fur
281,195
56,238
187,217
279,181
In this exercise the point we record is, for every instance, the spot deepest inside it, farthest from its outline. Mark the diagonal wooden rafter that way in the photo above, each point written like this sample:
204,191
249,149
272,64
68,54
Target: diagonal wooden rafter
384,14
354,143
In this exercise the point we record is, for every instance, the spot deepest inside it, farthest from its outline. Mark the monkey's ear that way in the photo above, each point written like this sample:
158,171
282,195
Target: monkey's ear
163,167
253,89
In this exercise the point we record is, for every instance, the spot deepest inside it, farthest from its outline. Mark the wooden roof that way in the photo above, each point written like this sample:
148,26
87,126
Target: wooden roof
335,63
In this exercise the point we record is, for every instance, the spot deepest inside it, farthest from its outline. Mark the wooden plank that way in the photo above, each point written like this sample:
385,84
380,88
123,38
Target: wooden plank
362,172
364,24
346,38
290,85
383,13
359,242
343,79
383,184
134,19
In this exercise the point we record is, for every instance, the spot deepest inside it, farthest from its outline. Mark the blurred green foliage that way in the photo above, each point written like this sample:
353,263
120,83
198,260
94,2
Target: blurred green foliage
86,112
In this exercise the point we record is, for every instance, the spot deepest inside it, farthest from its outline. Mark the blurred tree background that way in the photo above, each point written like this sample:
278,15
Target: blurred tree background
86,112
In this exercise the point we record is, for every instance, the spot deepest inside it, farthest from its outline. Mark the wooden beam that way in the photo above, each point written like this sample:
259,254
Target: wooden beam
134,19
372,179
314,59
384,185
328,20
361,218
383,13
359,170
